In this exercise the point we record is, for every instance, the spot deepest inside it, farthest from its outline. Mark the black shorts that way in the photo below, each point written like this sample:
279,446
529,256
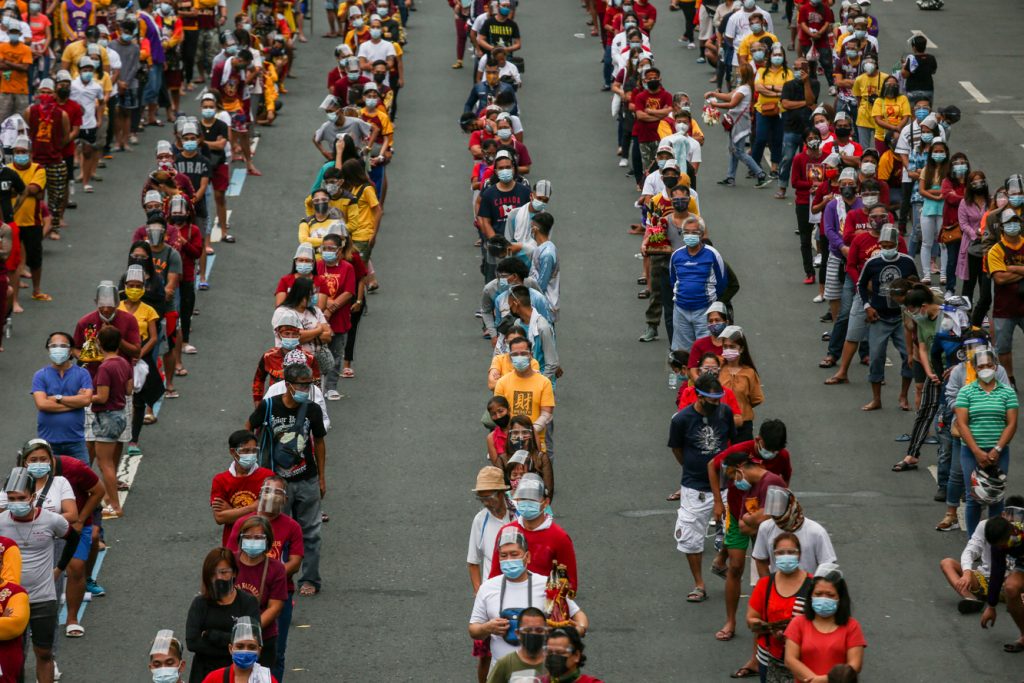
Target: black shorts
43,623
88,136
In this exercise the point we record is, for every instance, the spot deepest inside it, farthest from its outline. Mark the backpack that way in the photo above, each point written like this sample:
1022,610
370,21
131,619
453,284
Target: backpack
280,452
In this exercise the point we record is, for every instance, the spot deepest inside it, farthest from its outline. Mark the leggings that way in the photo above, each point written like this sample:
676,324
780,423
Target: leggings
56,190
461,34
350,340
984,299
908,189
925,416
188,305
189,47
689,12
930,227
973,271
803,223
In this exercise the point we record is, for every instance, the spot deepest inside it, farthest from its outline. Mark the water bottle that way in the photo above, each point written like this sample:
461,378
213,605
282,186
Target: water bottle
673,381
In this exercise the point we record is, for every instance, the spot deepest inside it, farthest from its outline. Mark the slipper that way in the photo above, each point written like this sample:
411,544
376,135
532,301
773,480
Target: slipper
827,362
902,438
904,466
230,239
308,590
674,495
725,636
171,393
210,251
203,285
40,296
1014,648
181,372
254,171
643,294
74,631
697,595
123,486
641,281
54,235
930,441
324,518
744,672
718,570
831,381
348,373
110,513
970,606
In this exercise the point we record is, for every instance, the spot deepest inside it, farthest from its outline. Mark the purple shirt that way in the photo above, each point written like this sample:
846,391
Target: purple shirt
153,34
834,231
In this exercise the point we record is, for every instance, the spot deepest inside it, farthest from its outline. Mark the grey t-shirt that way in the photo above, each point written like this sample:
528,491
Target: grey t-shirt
357,129
129,54
35,540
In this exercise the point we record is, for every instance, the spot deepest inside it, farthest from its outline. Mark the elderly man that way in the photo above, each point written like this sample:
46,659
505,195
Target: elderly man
698,278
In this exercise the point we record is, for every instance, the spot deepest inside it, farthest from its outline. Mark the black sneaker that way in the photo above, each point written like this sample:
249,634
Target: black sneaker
764,181
827,318
970,606
728,182
940,494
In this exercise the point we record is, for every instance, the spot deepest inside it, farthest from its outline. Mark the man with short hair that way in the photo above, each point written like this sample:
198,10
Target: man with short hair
649,104
532,633
518,224
786,514
234,492
500,30
527,391
698,278
545,268
798,98
486,91
1004,538
15,60
62,391
89,96
497,200
494,307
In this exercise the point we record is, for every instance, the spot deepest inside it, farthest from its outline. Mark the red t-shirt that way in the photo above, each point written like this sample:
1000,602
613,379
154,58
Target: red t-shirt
641,99
856,221
806,173
522,154
89,326
339,278
114,372
819,651
815,16
547,543
81,477
779,608
218,675
339,84
47,131
482,171
238,492
701,346
275,586
863,247
645,10
478,136
850,149
287,540
74,111
286,282
779,468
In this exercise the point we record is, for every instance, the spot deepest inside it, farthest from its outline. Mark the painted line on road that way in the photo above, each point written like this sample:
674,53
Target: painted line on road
1002,111
927,41
1019,118
974,92
62,618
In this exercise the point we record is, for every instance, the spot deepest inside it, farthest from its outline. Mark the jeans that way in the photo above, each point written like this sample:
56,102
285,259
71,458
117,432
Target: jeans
879,333
914,236
768,134
738,153
690,325
930,227
866,136
337,349
304,507
955,486
153,85
724,72
951,251
842,322
803,223
969,463
74,449
791,143
606,69
284,623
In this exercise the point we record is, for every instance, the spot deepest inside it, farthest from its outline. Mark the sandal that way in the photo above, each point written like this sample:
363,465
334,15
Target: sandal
641,280
827,362
1014,647
674,495
744,672
697,595
123,486
725,636
348,373
904,466
833,380
308,590
180,372
74,631
643,294
171,393
230,239
40,296
324,518
902,437
149,419
718,570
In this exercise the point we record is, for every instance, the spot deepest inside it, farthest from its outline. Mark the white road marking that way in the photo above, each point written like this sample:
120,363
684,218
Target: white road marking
215,232
928,41
1001,111
1019,118
974,92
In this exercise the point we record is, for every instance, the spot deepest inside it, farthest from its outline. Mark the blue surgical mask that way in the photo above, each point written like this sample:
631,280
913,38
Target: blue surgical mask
304,268
289,343
504,133
691,240
662,162
787,564
502,283
301,396
520,363
190,145
766,454
505,175
375,33
513,569
921,114
889,254
938,157
824,607
529,509
209,112
926,138
22,159
253,547
248,461
1011,229
538,205
1016,200
38,470
59,355
741,484
777,60
86,76
715,329
244,659
859,34
166,674
21,509
758,55
329,256
505,11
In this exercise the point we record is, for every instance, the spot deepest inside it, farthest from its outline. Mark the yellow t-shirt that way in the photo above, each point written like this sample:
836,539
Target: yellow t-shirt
665,129
893,111
26,213
526,395
360,215
312,231
864,87
771,79
744,49
74,52
503,364
143,314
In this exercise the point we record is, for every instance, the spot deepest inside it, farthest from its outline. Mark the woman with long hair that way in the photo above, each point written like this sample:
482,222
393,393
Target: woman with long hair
936,168
969,213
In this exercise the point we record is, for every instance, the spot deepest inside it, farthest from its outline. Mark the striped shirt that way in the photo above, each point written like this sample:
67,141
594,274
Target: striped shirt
986,411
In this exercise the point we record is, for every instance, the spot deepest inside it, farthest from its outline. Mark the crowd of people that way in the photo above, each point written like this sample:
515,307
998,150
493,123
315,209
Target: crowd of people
91,71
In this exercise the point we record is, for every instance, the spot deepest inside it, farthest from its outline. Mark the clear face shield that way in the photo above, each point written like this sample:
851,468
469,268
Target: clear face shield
162,644
106,294
776,501
271,500
19,481
246,629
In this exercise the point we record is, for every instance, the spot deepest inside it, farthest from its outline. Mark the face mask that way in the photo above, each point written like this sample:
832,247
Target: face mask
869,201
529,509
289,343
758,55
370,102
843,132
822,127
889,254
222,588
20,509
59,355
670,181
848,192
1011,229
533,643
985,375
35,8
559,664
504,11
379,77
921,114
38,470
504,133
247,461
165,674
332,116
777,60
715,329
868,168
938,157
960,169
357,23
980,186
63,91
869,68
680,203
329,256
505,175
635,46
661,163
520,363
374,33
653,85
798,74
209,113
538,205
353,74
190,145
134,293
691,240
1017,200
824,607
301,396
21,159
86,76
741,484
320,207
748,4
253,547
513,569
244,659
167,9
730,354
303,268
787,564
103,42
859,34
852,54
926,138
756,28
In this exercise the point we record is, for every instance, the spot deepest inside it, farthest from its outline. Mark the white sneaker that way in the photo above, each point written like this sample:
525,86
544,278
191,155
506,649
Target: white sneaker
818,299
333,395
623,162
690,46
817,260
189,349
832,90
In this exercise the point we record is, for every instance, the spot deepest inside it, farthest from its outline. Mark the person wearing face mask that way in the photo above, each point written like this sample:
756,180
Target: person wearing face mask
518,223
288,326
889,112
166,663
500,30
148,319
1005,261
339,277
698,278
85,346
49,128
36,530
61,391
313,228
169,268
867,172
1009,196
662,236
936,167
347,74
16,61
248,650
545,266
235,491
498,417
915,156
838,291
787,515
377,48
797,99
214,134
739,27
844,145
196,166
565,657
528,392
649,105
755,40
214,613
969,213
717,320
500,196
954,184
814,21
505,135
807,173
501,362
737,104
522,447
776,599
90,98
826,634
529,658
739,374
28,216
292,440
263,577
911,143
303,267
710,363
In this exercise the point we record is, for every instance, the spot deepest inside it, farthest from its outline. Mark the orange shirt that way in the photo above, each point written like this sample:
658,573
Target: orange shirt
15,82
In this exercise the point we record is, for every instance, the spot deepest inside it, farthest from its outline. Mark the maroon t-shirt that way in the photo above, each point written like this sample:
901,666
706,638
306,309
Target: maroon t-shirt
286,282
339,278
89,326
287,540
275,586
700,347
81,477
642,98
114,373
74,111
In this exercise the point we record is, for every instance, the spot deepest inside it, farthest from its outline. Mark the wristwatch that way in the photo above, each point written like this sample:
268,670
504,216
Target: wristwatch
58,398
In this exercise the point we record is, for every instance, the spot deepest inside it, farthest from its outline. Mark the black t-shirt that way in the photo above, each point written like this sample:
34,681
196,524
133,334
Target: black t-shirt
11,186
219,129
701,439
797,120
196,168
283,424
496,204
500,33
921,77
209,625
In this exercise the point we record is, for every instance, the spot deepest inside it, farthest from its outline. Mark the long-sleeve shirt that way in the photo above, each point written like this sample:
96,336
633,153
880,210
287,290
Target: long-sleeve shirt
698,280
834,223
977,554
208,631
542,337
1000,561
875,277
545,269
494,302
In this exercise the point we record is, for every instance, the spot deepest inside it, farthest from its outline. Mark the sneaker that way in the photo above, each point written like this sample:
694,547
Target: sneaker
817,260
763,181
478,313
333,395
826,336
94,588
774,175
133,449
728,182
827,318
701,60
189,349
940,494
949,523
649,335
832,90
691,45
970,605
623,162
818,299
809,280
930,441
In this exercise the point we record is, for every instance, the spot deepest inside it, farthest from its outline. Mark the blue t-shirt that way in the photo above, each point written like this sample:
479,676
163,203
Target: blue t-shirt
70,425
701,439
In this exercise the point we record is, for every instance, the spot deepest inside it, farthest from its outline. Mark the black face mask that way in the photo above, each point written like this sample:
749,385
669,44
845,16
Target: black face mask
843,132
379,78
670,181
556,665
848,192
653,85
891,91
137,260
320,207
63,92
222,588
502,421
533,643
519,444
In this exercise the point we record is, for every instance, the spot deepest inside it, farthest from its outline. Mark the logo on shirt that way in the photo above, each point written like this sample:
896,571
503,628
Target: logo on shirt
522,403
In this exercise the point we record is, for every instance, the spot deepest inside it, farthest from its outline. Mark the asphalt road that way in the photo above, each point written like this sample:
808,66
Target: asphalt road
406,443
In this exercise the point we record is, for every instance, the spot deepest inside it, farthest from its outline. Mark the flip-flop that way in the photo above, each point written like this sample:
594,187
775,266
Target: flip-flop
697,595
718,571
744,672
1014,647
230,239
904,466
308,590
902,438
181,372
673,496
832,381
41,296
74,631
725,636
827,362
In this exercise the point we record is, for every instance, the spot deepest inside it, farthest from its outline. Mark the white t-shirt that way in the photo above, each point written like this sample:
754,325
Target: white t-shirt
482,536
738,28
36,540
741,114
372,52
87,95
60,490
903,142
815,545
620,41
478,23
509,69
115,65
488,605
